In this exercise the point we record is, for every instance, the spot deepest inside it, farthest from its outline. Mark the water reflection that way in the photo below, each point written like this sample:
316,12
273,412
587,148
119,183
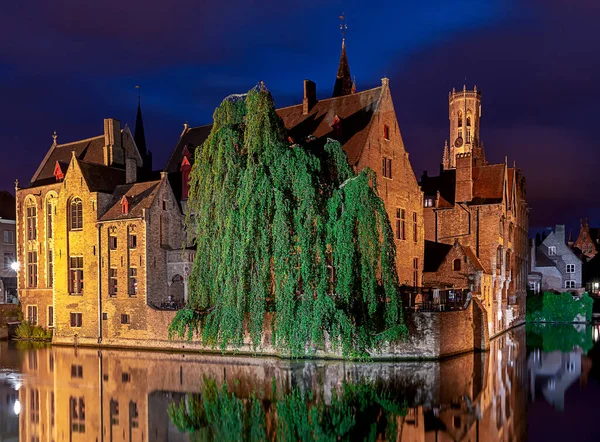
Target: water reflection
82,394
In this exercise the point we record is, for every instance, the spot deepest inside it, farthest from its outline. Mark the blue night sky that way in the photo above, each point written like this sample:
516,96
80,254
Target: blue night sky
67,64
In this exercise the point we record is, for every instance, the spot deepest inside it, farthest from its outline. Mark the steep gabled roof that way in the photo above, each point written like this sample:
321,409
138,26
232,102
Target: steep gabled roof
101,178
488,184
472,257
90,150
191,138
355,112
139,195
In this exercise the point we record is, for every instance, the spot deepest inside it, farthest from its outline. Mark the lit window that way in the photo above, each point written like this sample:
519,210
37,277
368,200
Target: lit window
31,211
76,214
428,202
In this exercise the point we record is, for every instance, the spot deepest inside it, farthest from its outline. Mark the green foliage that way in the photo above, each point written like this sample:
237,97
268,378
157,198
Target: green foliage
32,332
359,412
13,313
561,337
272,223
550,307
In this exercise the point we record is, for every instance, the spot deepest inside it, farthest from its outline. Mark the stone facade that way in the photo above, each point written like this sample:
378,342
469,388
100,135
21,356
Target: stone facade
554,265
97,248
484,208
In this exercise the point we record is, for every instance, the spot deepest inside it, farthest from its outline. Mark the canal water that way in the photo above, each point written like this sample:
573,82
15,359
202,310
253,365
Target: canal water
539,383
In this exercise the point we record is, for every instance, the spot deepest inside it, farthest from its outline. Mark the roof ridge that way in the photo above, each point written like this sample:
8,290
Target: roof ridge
333,98
80,141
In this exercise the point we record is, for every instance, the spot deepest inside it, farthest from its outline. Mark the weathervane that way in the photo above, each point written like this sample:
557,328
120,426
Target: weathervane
343,26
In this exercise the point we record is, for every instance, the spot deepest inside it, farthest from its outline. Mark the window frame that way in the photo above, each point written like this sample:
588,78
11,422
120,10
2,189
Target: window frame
400,224
570,268
32,312
76,214
76,319
455,267
11,239
132,281
386,167
125,319
386,132
31,219
32,269
551,250
113,281
50,318
76,276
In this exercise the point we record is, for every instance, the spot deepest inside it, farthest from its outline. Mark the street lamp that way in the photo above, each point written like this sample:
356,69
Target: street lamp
15,266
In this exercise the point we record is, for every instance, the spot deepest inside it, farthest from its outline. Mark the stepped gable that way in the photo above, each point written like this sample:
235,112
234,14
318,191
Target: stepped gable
488,184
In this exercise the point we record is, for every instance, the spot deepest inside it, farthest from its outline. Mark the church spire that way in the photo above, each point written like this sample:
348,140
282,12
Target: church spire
343,81
139,137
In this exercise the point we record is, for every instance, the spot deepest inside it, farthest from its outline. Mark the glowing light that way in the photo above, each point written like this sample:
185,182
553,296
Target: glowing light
17,407
15,266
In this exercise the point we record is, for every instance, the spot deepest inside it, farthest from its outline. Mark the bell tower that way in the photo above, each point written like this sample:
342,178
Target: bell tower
464,113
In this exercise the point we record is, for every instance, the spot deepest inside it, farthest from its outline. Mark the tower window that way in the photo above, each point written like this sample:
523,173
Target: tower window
460,119
468,118
386,132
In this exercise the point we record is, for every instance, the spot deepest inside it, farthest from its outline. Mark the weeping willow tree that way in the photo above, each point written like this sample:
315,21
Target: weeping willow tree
280,229
360,411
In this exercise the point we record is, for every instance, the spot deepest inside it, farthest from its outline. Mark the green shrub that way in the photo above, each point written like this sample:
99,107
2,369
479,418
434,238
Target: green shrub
563,307
561,337
33,332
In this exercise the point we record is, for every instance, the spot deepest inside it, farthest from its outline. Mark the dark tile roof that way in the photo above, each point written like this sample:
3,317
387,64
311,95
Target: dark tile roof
90,150
473,258
355,112
190,138
445,183
541,260
7,205
100,178
435,253
139,195
488,184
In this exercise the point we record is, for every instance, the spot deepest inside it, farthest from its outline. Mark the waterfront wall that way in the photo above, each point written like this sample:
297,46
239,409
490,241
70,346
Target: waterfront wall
432,335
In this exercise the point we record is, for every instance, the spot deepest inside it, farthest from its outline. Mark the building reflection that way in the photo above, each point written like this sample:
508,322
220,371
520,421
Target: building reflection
72,394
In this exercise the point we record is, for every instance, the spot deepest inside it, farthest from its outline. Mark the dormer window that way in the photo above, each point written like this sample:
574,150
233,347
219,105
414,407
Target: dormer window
124,205
58,173
336,125
386,132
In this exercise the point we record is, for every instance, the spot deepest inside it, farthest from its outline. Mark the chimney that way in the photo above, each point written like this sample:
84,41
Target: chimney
310,96
464,178
559,232
113,145
533,247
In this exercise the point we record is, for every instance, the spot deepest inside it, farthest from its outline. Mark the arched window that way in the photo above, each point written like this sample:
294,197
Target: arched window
499,258
456,265
501,225
468,118
50,200
460,118
76,214
31,213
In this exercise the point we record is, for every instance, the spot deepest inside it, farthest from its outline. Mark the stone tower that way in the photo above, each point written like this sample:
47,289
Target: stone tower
464,113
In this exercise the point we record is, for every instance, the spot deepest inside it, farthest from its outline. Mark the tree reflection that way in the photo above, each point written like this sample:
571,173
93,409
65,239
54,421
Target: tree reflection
358,411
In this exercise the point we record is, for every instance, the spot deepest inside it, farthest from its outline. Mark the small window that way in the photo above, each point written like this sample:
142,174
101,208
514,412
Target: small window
112,242
125,377
386,167
125,319
104,316
112,281
386,132
570,268
50,316
133,414
32,314
9,237
428,202
552,251
132,241
570,284
76,214
456,265
76,319
76,371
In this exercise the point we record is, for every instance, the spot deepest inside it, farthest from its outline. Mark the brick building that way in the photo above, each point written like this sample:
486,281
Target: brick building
99,250
8,276
481,207
365,124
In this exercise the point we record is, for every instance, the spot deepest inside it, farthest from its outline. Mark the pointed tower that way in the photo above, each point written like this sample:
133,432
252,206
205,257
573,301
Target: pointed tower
139,137
343,81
